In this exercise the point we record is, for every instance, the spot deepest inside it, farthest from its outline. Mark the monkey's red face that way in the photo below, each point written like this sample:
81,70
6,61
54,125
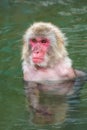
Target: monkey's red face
39,48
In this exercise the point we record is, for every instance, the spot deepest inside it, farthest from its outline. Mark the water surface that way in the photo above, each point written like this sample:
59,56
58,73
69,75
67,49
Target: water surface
15,17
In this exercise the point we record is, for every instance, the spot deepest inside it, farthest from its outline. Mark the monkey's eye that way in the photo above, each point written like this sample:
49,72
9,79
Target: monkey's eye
43,41
34,40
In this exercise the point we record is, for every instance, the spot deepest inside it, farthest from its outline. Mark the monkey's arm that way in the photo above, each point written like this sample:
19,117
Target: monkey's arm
32,93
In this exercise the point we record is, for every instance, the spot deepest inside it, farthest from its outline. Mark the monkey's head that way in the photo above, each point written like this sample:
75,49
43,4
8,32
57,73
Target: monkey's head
44,44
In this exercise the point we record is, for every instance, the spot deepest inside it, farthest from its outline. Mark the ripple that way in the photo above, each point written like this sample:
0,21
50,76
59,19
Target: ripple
82,10
63,13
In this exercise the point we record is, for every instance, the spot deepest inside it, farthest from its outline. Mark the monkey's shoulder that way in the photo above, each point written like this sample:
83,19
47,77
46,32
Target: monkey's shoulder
56,73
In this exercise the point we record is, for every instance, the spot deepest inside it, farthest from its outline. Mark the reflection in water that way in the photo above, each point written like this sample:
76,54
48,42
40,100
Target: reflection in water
53,110
49,107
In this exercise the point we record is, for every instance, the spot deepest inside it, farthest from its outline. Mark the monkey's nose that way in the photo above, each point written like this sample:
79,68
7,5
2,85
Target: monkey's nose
37,52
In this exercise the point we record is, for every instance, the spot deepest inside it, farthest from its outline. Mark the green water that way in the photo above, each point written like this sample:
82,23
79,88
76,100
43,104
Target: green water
15,17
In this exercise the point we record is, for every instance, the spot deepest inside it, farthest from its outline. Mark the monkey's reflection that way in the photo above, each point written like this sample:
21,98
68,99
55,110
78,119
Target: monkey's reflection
52,109
52,106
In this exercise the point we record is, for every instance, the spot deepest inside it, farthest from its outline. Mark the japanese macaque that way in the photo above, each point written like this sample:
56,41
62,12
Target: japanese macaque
44,54
46,65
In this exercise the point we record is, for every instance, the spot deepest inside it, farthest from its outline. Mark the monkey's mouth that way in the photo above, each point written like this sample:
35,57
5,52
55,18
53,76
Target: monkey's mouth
37,60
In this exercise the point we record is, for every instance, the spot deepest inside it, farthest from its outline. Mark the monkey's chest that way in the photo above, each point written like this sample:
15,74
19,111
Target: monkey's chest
45,75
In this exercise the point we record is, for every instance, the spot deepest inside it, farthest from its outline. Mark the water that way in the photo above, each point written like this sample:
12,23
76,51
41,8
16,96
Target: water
15,17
